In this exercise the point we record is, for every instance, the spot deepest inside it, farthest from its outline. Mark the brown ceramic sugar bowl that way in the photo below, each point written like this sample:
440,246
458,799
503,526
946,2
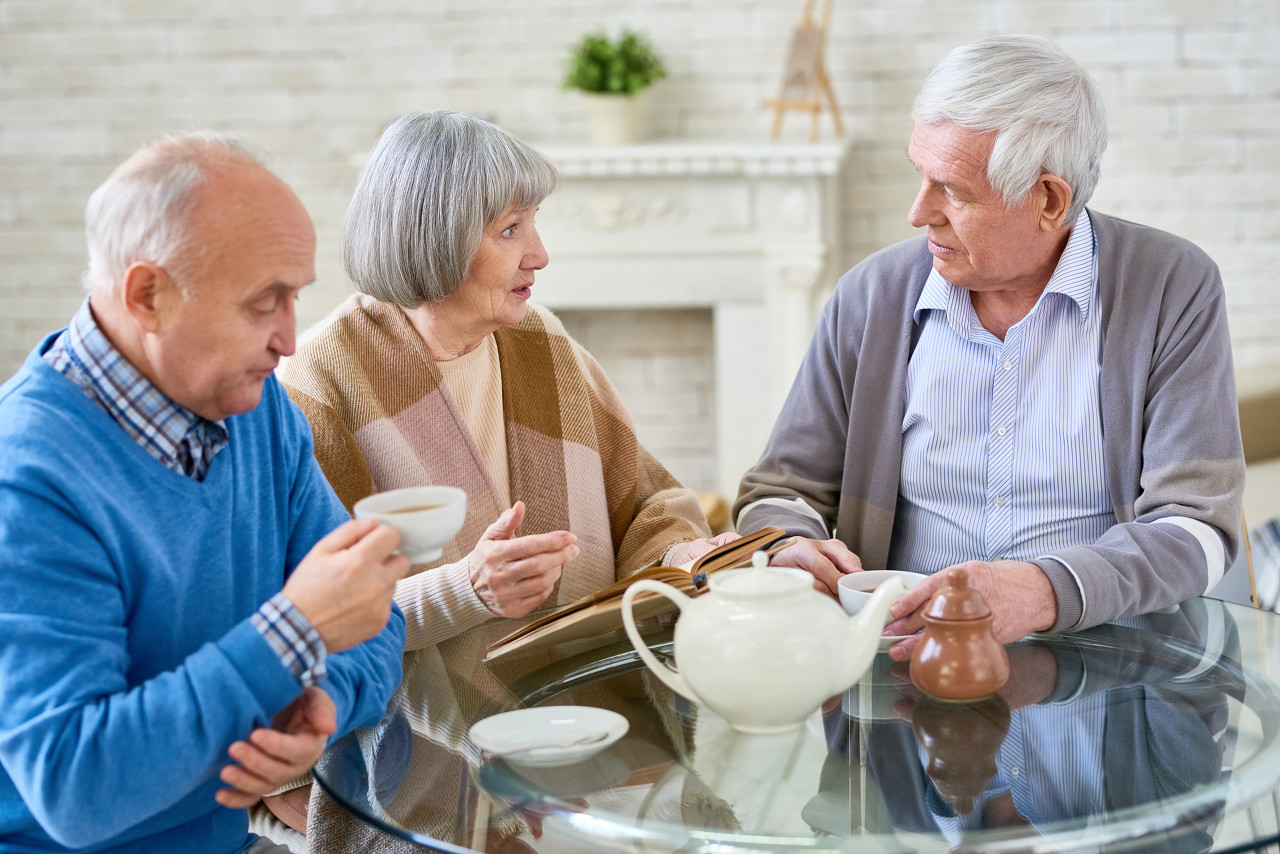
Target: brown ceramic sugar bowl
958,658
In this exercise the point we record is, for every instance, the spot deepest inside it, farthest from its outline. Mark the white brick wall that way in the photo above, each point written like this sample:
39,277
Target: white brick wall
1193,88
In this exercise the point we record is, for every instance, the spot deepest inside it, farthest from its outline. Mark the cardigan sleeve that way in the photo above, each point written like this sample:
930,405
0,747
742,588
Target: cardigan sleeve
1180,532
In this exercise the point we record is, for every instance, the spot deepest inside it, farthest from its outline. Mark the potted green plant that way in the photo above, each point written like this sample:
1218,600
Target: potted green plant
612,75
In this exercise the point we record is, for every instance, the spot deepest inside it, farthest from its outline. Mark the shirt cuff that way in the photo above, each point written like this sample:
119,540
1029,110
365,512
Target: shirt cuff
296,642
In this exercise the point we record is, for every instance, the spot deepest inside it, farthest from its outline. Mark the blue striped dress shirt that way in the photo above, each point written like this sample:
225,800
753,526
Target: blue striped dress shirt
1051,764
1002,453
184,442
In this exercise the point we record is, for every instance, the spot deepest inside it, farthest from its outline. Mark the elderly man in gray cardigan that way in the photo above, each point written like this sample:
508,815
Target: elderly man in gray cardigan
1034,391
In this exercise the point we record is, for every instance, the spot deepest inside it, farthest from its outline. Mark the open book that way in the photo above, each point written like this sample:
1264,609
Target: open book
601,612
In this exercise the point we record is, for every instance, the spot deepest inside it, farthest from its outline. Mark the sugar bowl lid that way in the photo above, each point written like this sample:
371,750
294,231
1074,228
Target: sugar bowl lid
957,600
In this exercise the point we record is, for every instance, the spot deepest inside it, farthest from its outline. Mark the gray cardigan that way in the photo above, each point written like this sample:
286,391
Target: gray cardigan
1173,451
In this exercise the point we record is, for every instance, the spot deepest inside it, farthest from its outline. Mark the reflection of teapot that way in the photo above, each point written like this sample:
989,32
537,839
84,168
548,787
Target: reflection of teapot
762,648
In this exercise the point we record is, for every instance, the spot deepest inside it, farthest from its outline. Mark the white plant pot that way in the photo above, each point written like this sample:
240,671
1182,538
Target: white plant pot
613,119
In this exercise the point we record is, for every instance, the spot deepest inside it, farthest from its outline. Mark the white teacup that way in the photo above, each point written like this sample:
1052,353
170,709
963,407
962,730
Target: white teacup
427,517
856,587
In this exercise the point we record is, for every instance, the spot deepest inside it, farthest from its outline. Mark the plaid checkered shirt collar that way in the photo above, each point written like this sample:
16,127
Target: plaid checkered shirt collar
173,434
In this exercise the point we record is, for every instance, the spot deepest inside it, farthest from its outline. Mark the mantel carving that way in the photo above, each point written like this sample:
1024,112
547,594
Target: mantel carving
607,211
697,159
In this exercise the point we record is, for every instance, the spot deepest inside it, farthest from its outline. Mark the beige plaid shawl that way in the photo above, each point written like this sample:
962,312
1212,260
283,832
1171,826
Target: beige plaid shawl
383,419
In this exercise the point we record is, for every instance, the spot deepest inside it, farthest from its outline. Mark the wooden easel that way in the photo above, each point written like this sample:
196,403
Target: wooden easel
805,81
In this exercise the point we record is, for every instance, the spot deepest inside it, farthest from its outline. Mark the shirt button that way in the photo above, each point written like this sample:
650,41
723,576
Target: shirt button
999,500
1002,430
1007,366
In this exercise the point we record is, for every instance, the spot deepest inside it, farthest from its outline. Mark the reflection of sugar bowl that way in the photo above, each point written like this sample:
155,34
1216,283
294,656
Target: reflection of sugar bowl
961,740
958,658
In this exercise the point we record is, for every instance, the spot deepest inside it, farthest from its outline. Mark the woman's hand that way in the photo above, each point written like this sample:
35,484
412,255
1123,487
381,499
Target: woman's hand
514,575
688,552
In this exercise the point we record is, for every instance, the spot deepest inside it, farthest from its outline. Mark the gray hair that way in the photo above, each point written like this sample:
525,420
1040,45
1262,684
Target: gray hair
143,210
1044,107
434,182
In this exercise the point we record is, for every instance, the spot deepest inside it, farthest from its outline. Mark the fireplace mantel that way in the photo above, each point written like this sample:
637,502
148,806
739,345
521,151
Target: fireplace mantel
748,230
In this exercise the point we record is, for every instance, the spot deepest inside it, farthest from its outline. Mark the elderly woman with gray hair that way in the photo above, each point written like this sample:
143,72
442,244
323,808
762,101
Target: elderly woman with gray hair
441,371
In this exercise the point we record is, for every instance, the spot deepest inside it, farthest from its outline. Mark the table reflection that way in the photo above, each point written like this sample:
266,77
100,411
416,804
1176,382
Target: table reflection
1127,735
1118,718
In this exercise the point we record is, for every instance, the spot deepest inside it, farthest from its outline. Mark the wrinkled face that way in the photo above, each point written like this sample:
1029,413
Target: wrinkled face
977,241
500,281
225,323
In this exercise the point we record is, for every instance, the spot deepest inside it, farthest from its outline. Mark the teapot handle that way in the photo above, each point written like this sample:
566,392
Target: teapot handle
669,677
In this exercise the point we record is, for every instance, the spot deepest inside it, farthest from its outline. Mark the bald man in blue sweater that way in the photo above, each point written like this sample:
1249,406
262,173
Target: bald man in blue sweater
187,613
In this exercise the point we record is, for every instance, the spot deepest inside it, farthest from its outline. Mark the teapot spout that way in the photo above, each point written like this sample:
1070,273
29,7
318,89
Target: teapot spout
864,631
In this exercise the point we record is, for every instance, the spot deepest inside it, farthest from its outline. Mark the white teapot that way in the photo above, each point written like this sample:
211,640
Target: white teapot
762,648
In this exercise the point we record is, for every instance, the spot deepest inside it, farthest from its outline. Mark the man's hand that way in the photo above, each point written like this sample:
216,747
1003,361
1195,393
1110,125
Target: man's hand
514,575
1019,595
272,757
825,560
345,583
691,551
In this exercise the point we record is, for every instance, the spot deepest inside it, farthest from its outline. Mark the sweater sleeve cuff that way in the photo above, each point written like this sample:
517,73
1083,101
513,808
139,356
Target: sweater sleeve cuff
1066,589
670,554
263,672
438,604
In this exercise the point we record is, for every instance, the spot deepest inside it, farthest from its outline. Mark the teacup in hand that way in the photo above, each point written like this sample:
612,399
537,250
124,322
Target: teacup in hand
427,517
856,587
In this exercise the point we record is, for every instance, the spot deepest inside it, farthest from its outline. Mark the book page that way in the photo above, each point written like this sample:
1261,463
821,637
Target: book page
601,612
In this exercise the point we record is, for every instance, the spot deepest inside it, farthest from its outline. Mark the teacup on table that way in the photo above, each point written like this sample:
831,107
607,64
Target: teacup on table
856,587
427,517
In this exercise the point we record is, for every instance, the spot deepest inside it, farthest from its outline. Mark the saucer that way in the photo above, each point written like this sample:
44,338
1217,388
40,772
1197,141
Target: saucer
545,736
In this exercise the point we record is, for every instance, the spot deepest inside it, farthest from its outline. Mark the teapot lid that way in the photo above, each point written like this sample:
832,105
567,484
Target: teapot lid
957,600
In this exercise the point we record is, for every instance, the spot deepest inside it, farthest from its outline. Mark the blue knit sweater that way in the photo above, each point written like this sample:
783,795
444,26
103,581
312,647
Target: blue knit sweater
128,664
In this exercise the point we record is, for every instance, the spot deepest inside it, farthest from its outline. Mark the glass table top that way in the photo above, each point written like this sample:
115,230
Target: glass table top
1159,733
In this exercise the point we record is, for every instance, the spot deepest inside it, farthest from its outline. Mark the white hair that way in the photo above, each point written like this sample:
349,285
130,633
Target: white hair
1044,107
434,181
143,209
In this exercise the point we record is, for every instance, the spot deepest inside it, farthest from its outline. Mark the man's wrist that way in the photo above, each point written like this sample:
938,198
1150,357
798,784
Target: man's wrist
295,641
1067,598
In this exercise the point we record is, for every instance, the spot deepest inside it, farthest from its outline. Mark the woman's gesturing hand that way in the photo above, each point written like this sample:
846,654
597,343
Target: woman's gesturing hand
513,575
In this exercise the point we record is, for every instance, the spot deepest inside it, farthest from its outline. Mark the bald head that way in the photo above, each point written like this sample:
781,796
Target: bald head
144,210
196,255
